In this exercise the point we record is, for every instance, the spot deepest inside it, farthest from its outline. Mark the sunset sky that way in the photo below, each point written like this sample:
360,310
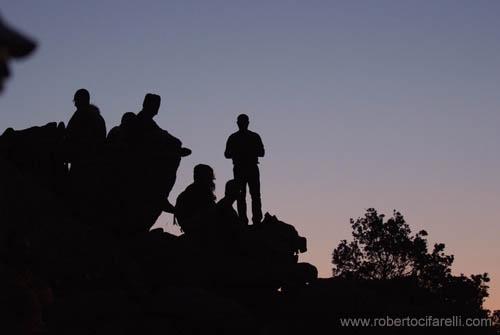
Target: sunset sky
384,104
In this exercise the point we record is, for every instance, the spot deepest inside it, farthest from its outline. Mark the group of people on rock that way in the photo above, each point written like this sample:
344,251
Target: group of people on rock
135,164
142,158
77,204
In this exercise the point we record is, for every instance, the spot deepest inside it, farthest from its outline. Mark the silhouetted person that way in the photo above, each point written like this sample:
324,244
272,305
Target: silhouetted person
226,216
245,147
150,108
12,45
86,130
196,204
121,134
164,149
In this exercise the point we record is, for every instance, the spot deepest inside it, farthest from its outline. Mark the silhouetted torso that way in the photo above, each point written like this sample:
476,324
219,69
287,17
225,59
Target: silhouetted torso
150,133
115,135
194,206
85,133
244,147
122,136
226,215
160,150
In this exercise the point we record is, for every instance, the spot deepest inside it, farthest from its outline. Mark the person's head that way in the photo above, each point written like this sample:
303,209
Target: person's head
12,45
81,98
243,121
151,104
127,118
232,190
204,175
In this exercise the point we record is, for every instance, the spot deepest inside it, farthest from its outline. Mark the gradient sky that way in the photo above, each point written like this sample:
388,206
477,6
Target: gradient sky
385,104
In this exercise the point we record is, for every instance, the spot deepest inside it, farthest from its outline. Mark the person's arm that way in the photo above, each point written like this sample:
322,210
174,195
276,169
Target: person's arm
228,153
101,129
70,129
260,147
69,142
111,137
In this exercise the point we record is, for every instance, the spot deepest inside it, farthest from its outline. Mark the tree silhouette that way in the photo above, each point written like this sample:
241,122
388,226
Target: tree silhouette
386,249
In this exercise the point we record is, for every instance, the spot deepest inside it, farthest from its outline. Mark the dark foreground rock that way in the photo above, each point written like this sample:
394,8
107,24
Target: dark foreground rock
72,269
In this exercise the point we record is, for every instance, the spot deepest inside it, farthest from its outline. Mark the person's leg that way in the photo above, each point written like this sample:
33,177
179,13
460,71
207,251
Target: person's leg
254,188
169,173
240,176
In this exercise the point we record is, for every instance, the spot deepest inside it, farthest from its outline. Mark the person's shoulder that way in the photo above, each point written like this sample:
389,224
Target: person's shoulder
114,130
95,112
77,114
94,109
233,135
182,195
186,193
74,116
139,115
171,138
75,119
231,138
143,120
190,188
253,134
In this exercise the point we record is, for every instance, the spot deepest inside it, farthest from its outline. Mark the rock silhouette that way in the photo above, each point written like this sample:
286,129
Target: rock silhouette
78,256
78,237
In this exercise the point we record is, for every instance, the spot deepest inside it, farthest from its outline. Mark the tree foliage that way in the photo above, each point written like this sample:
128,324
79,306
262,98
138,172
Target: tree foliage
386,249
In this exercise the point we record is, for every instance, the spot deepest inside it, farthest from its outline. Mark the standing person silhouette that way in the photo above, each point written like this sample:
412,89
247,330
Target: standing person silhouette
245,147
86,130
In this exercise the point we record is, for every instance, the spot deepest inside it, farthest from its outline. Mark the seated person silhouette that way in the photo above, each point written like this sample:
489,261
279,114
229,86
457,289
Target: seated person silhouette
149,131
195,206
86,130
161,150
225,215
245,147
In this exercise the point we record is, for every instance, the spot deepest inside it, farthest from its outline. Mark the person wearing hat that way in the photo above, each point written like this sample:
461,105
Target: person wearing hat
12,45
162,151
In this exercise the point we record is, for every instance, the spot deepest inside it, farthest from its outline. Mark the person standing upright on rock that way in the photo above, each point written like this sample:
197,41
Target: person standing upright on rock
86,130
245,147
